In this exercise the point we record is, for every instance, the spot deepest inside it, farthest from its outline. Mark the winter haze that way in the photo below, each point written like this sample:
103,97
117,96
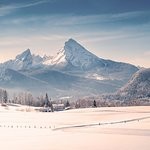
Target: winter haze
74,74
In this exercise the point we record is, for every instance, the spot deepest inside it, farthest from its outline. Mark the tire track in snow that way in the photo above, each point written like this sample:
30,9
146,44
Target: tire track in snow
101,123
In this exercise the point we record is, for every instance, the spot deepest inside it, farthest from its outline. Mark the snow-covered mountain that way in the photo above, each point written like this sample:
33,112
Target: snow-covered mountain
74,70
76,55
75,59
138,86
21,62
25,61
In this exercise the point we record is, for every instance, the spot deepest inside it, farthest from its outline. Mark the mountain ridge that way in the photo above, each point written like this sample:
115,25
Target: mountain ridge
82,71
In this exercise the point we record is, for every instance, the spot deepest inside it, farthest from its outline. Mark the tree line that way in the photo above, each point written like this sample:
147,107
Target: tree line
26,98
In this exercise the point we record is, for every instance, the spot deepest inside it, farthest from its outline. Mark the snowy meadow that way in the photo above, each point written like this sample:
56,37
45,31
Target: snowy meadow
107,128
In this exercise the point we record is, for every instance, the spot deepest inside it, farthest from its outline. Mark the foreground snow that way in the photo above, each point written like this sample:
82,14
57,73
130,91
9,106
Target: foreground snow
44,131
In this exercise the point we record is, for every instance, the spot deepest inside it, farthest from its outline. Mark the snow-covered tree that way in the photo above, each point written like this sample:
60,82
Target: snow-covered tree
5,96
47,102
67,104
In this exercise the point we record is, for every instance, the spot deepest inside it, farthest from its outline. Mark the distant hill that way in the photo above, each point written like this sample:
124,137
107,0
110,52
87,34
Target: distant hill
137,87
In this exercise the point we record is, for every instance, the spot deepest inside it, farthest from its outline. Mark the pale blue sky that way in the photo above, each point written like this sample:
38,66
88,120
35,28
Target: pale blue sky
112,29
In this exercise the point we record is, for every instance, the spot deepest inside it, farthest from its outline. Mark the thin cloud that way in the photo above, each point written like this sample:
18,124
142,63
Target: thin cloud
29,4
6,9
72,20
100,18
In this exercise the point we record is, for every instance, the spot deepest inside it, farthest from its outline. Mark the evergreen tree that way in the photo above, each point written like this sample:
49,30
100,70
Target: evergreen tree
67,104
51,106
94,103
5,96
47,103
1,95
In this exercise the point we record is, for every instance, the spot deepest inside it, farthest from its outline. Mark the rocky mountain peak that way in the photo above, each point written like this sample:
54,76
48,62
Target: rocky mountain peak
26,55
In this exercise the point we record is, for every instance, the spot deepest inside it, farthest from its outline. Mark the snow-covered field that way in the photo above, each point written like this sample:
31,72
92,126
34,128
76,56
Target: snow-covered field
21,130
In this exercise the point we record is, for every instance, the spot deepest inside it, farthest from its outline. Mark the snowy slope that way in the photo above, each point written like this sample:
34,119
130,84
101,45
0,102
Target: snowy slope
138,86
21,130
15,79
74,84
